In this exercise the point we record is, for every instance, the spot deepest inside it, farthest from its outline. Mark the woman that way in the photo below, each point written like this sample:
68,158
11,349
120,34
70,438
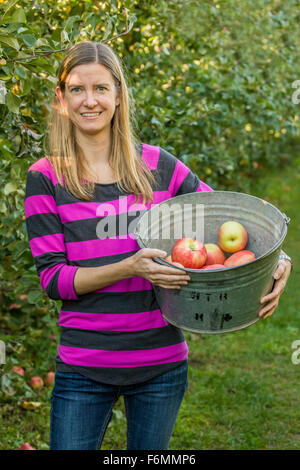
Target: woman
114,340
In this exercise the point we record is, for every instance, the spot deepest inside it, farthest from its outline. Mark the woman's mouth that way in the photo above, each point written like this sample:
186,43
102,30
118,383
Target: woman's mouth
91,115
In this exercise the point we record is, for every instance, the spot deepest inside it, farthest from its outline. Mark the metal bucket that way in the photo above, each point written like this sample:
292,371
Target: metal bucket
215,301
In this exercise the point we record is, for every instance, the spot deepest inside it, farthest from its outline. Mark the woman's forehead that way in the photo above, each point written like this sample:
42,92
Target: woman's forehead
88,73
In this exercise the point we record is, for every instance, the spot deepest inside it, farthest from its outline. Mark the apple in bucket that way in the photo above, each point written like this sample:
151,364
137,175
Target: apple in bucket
214,266
232,236
190,252
214,254
169,259
240,257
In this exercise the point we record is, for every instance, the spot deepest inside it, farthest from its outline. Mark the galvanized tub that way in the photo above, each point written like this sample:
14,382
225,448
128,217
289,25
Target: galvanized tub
215,301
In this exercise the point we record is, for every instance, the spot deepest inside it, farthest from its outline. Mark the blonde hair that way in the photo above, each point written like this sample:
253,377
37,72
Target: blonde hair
132,173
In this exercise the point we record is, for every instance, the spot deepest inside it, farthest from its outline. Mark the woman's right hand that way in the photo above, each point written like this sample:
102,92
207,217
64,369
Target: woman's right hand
143,265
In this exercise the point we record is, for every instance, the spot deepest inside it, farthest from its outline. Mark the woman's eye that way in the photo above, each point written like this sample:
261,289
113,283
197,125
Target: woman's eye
75,89
101,88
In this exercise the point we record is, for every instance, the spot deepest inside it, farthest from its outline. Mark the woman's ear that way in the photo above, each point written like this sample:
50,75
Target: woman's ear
117,100
60,95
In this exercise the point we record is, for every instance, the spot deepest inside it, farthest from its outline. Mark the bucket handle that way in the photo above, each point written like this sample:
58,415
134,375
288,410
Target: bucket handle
286,219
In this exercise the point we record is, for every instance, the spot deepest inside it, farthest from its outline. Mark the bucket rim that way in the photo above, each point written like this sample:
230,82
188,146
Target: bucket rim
220,270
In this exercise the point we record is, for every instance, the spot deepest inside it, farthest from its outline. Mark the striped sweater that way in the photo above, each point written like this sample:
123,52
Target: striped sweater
115,335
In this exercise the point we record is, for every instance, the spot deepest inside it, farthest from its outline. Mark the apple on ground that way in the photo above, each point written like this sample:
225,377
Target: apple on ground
18,370
26,446
232,236
36,382
241,257
214,266
190,252
52,338
49,379
214,254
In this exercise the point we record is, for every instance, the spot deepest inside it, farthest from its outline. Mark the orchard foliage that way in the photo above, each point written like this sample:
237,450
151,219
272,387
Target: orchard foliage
212,83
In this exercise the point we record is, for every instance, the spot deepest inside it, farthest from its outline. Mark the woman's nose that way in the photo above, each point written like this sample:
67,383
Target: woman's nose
90,99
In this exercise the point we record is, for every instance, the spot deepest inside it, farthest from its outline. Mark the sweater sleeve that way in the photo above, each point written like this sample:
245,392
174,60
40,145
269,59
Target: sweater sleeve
45,233
183,180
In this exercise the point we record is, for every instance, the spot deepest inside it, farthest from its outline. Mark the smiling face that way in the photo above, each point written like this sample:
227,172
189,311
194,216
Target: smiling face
90,98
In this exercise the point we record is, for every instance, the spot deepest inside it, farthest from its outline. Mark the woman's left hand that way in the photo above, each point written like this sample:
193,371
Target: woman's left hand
281,275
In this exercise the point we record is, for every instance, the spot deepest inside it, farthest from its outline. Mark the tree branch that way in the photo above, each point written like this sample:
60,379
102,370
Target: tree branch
46,53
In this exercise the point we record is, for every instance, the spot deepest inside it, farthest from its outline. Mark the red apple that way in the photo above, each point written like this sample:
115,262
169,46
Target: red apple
189,252
232,236
177,264
241,257
26,446
214,266
18,370
52,338
36,382
214,254
49,379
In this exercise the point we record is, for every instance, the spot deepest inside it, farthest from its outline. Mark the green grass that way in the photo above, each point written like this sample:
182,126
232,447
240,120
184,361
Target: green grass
243,387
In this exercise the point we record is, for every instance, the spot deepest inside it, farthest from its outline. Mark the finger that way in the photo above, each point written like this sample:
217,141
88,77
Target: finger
167,286
263,317
153,253
170,279
268,314
166,270
276,292
281,267
270,307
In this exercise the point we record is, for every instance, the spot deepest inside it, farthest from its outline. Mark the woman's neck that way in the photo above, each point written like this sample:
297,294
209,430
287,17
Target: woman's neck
96,148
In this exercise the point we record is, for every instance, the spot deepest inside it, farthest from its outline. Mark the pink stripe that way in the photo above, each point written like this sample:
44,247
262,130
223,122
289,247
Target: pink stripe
39,204
112,321
44,166
179,174
47,274
142,358
41,245
150,155
66,282
203,187
128,285
101,247
90,210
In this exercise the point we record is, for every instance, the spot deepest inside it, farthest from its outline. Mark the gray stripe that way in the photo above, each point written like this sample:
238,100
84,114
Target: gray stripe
121,340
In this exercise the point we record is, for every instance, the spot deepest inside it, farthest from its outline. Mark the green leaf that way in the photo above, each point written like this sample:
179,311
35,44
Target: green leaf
3,207
35,296
132,20
42,42
25,86
9,188
29,39
9,41
21,72
19,16
11,4
64,37
13,102
70,23
108,29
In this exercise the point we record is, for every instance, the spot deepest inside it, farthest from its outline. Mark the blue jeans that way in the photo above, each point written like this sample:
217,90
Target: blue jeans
82,408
